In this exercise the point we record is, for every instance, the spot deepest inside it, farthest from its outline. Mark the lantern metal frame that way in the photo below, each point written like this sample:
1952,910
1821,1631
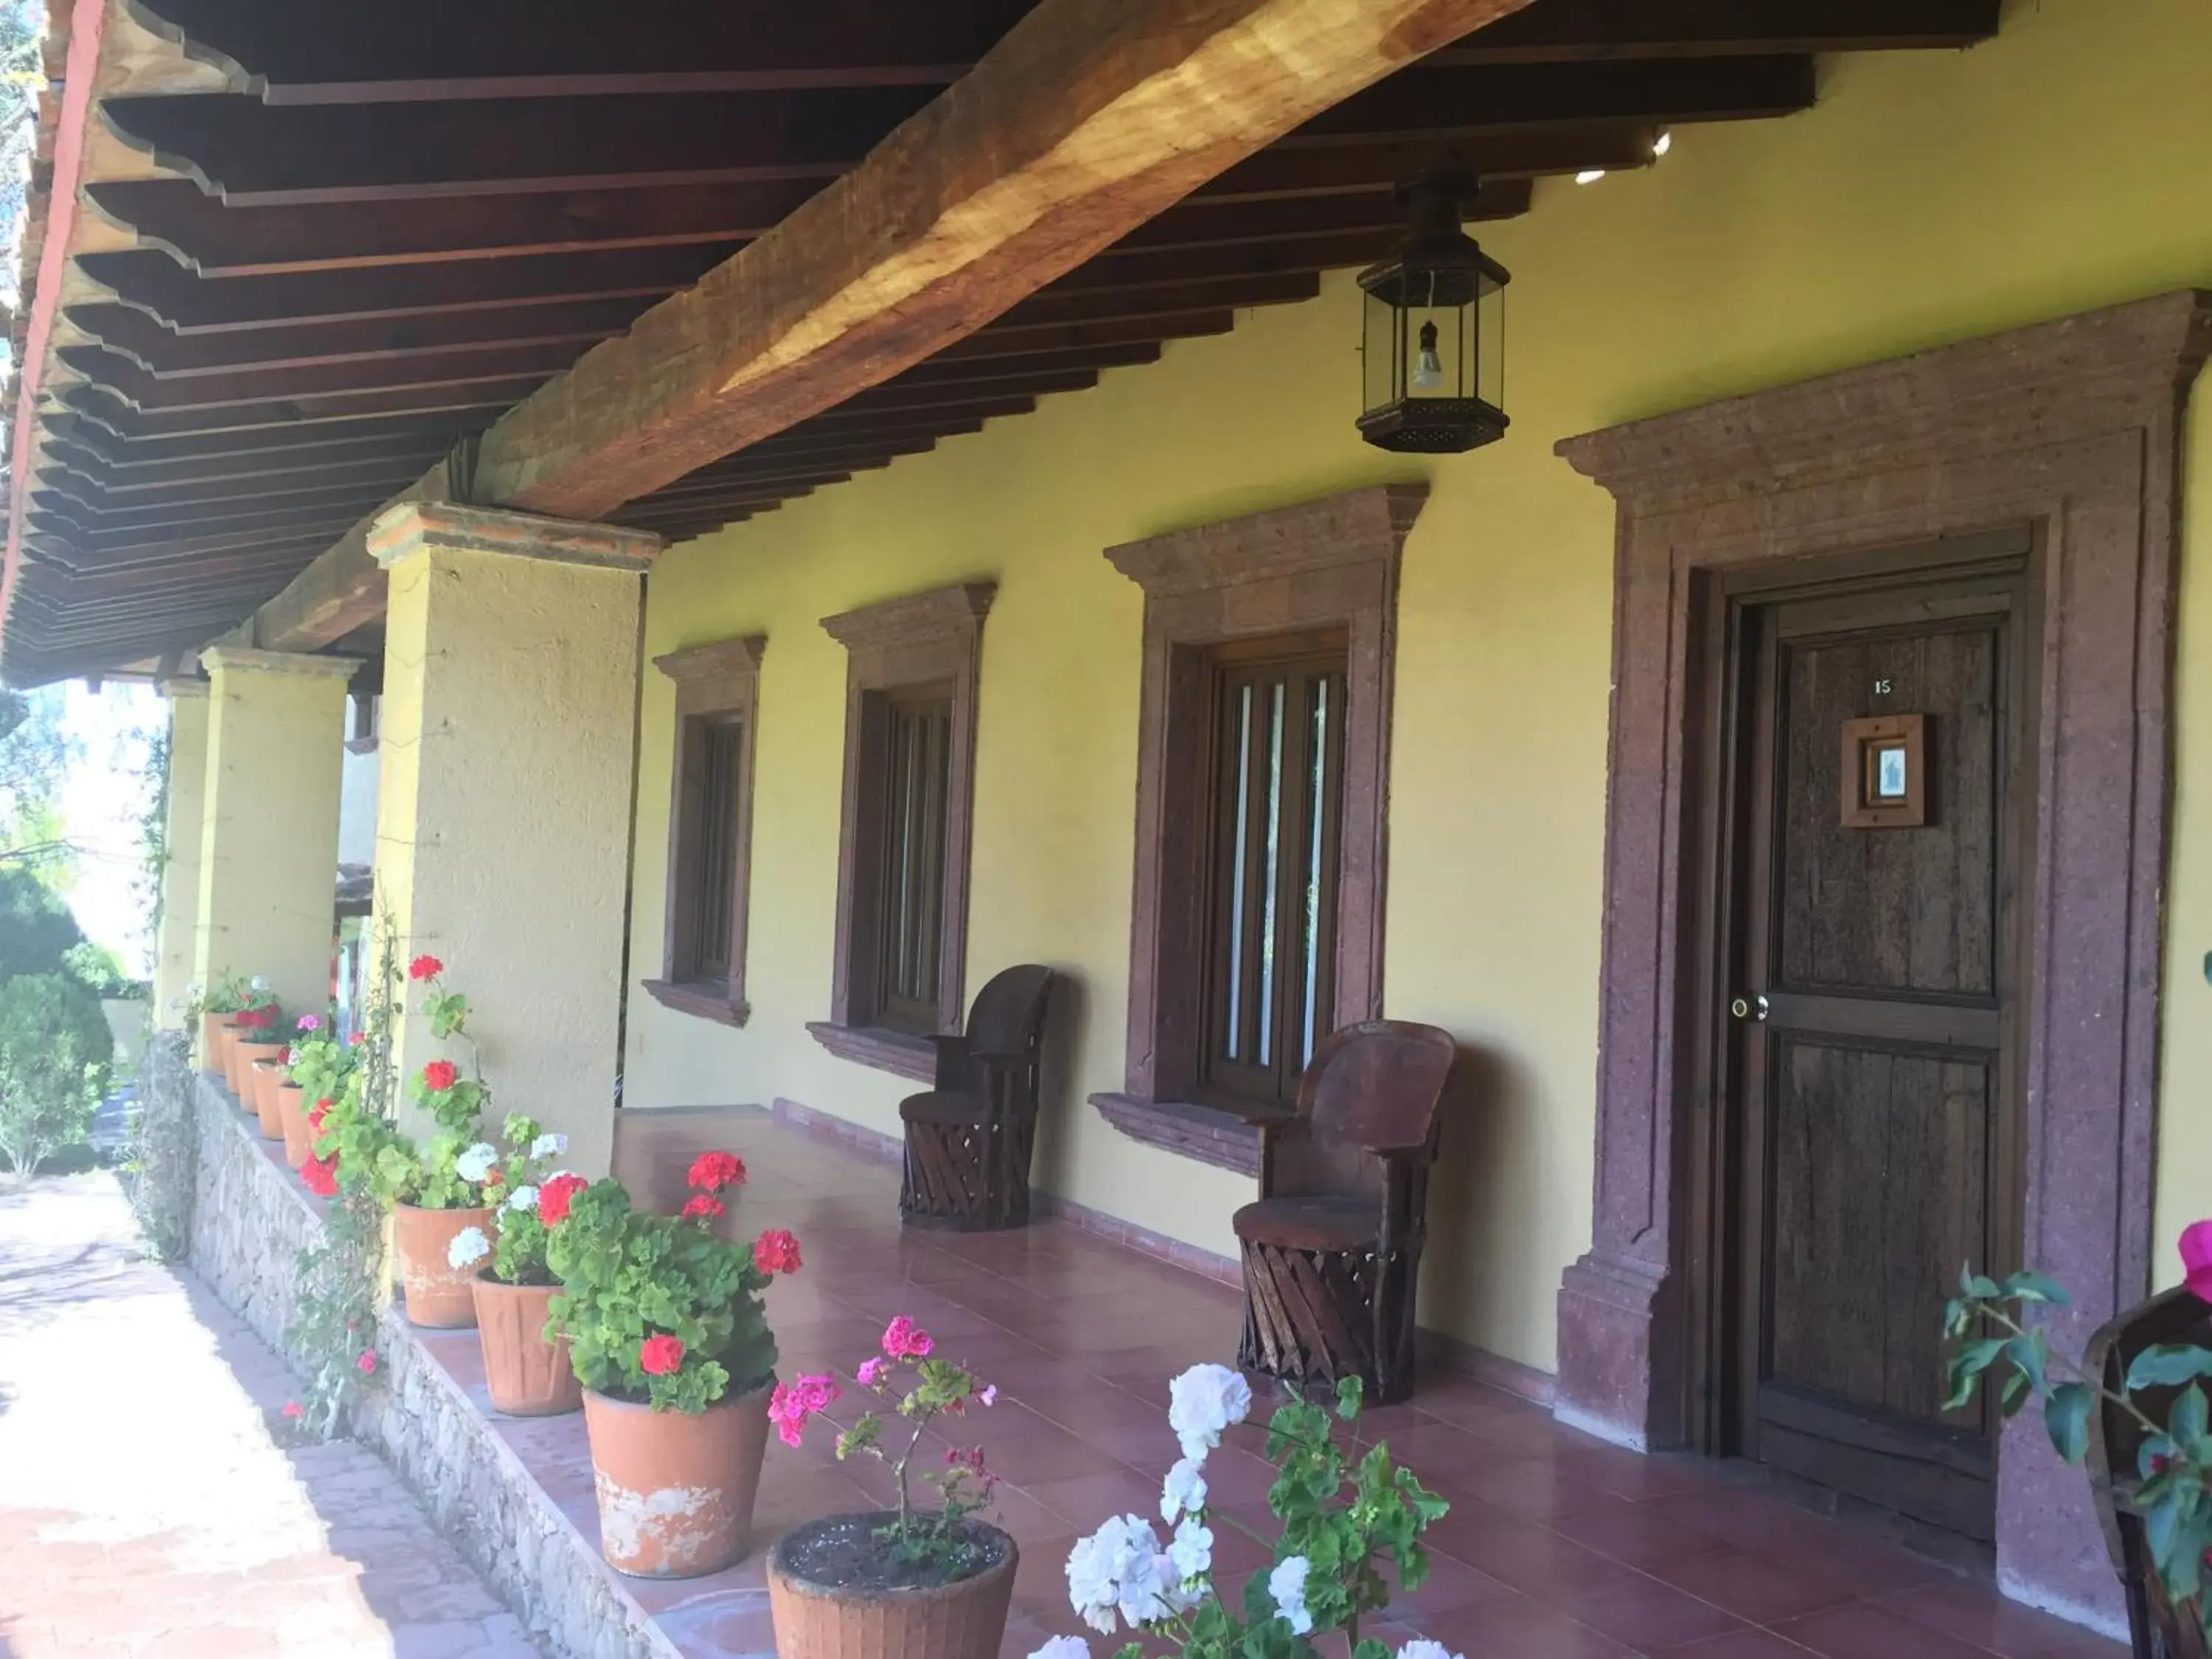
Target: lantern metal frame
1437,267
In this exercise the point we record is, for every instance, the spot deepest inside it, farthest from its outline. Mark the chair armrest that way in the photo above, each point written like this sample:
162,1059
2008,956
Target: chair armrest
951,1050
1273,1133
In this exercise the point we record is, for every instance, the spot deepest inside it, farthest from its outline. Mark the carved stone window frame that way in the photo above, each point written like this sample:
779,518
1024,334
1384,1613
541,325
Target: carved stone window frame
1326,564
933,638
713,682
2073,428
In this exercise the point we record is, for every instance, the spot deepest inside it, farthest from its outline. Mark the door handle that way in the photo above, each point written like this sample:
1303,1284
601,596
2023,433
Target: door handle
1754,1009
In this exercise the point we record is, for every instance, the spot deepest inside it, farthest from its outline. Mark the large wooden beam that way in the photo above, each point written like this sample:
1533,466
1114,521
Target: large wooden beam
1090,117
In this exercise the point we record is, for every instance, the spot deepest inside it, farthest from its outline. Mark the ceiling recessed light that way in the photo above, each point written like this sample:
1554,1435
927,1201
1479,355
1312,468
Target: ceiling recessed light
1662,144
1589,175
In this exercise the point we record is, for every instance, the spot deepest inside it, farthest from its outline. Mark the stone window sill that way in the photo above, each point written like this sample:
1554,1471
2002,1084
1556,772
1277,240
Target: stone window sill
701,999
898,1052
1228,1140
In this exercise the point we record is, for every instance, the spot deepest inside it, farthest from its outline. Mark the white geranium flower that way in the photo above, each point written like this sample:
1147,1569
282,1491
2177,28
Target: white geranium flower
523,1198
551,1144
1121,1568
469,1246
1183,1492
1204,1401
475,1163
258,983
1190,1552
1420,1648
1287,1585
1064,1647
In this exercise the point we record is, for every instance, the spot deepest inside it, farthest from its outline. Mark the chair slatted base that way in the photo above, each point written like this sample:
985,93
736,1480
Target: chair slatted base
969,1177
1310,1318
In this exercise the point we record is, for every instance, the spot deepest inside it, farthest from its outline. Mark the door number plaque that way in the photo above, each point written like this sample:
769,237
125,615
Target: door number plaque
1884,772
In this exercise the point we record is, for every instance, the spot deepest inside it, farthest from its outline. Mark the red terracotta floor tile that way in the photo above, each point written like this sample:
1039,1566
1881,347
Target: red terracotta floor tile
1639,1535
1976,1612
1751,1642
1863,1629
1754,1588
1646,1614
1515,1627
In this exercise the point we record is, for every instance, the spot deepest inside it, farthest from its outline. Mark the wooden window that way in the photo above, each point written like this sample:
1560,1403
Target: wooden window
1236,968
1277,815
902,851
909,902
710,830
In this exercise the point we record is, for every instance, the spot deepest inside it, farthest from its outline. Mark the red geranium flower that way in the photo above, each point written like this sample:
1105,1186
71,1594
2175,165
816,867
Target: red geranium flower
776,1252
366,1365
700,1207
320,1176
659,1356
715,1170
441,1075
322,1110
425,967
556,1195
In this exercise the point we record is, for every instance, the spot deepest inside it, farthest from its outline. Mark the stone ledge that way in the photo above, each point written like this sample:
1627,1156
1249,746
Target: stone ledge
1208,1133
252,1217
896,1051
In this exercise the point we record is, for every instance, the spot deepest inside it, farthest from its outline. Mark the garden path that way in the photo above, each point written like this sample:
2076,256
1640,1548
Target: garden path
151,1501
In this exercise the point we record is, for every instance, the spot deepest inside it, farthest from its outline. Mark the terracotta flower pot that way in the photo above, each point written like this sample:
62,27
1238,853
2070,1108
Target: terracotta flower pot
243,1056
292,1113
675,1491
528,1376
266,1078
819,1618
440,1295
215,1042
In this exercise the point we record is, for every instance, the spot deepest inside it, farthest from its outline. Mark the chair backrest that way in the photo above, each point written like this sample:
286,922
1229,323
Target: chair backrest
1376,1084
2115,1445
1008,1018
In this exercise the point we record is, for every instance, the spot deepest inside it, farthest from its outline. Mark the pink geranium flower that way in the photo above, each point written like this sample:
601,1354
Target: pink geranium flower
904,1340
2196,1258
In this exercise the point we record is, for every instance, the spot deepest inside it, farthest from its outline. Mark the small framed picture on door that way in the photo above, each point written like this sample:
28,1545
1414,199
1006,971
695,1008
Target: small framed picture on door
1884,772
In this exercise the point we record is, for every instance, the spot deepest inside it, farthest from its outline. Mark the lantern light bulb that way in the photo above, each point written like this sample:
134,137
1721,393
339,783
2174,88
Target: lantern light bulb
1589,175
1662,144
1428,372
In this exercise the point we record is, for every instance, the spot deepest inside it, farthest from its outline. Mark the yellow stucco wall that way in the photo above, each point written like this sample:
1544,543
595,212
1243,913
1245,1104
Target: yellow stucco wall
1932,197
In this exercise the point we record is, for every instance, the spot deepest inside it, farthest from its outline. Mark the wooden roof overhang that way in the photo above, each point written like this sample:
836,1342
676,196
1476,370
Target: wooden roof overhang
320,248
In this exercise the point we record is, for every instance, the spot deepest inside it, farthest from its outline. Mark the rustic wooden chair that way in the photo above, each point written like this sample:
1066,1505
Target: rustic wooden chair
1333,1246
969,1139
2157,1629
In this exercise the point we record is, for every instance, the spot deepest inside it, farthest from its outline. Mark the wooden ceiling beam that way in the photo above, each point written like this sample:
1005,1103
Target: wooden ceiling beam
219,239
1532,153
95,502
249,153
462,404
124,455
406,50
160,350
156,284
231,388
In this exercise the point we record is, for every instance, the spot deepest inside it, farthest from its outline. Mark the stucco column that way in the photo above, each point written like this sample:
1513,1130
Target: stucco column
176,943
503,805
269,836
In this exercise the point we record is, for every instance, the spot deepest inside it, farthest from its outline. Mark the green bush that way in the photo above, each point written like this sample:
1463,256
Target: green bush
55,1048
37,932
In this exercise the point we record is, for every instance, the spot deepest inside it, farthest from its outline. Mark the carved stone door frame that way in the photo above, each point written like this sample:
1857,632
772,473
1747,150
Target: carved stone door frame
2073,426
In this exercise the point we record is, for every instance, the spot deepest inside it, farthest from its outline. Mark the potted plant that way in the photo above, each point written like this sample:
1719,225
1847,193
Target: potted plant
526,1369
318,1064
1343,1522
256,1034
668,1334
2159,1402
903,1584
435,1191
215,1005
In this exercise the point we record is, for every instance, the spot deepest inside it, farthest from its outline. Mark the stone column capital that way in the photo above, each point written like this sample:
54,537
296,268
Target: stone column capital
181,687
233,658
408,526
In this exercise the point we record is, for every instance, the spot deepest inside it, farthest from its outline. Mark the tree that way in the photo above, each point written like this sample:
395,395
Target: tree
55,1048
34,753
37,932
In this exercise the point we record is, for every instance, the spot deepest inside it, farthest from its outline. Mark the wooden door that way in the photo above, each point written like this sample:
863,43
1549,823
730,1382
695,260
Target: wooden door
1872,1020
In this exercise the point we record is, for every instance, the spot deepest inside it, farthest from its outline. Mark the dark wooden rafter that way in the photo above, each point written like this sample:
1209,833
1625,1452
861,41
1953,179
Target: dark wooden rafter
496,48
403,220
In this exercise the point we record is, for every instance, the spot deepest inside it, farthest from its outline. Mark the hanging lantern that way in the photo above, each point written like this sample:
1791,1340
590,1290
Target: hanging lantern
1434,350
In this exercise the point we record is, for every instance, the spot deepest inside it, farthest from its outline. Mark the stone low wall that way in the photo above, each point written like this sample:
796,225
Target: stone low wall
251,1218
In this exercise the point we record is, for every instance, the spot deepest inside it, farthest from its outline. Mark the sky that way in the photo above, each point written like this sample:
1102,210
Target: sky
104,792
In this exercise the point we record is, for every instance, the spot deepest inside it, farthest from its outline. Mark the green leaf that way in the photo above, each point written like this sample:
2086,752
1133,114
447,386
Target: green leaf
2066,1418
2026,1350
2164,1364
2186,1422
2014,1394
2029,1285
1349,1390
1974,1286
